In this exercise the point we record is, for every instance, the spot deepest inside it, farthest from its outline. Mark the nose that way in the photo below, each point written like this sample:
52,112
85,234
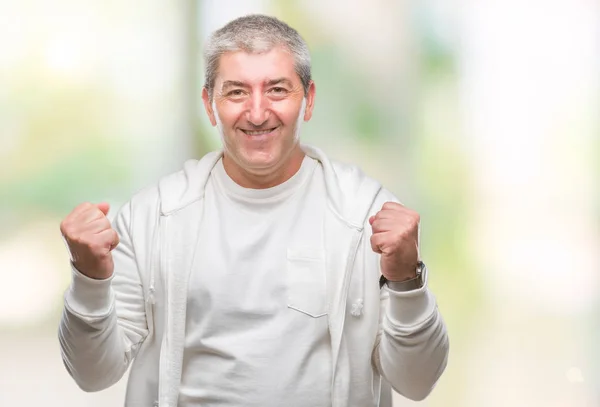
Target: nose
258,111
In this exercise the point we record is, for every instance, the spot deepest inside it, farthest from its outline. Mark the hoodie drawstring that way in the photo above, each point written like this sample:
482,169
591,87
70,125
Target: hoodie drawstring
150,298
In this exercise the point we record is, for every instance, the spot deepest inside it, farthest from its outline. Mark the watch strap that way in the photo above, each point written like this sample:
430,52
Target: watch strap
407,285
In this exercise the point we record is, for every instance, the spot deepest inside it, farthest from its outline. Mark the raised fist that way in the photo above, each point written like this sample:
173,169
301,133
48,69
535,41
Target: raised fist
396,237
90,239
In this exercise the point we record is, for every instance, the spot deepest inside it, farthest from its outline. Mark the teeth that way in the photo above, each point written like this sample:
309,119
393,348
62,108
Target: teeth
257,133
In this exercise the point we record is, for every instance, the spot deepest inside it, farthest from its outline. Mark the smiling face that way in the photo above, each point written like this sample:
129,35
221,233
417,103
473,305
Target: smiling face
258,106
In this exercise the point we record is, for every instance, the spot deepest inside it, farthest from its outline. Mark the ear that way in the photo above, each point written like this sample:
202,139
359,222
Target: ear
310,101
208,107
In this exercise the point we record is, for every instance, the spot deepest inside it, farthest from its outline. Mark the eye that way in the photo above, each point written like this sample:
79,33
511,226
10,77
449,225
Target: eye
235,92
278,90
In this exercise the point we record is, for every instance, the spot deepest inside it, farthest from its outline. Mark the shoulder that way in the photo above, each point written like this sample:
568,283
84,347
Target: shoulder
352,192
177,189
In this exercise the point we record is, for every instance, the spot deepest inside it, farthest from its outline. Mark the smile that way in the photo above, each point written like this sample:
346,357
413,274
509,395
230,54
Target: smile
259,132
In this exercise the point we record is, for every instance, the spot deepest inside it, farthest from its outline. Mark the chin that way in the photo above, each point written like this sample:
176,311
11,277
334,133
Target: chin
261,157
260,163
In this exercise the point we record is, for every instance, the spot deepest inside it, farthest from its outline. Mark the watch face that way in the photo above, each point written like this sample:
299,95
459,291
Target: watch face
422,272
420,267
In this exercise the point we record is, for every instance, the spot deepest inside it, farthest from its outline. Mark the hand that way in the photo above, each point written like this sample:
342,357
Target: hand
90,239
396,237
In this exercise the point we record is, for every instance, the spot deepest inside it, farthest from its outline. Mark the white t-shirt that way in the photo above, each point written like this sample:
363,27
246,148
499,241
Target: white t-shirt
244,344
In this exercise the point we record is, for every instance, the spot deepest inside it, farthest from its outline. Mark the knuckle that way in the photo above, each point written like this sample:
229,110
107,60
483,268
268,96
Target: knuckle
415,215
105,223
374,241
84,205
64,227
416,219
81,239
96,247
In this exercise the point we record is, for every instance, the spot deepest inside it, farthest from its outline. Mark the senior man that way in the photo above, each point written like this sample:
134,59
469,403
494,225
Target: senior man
263,274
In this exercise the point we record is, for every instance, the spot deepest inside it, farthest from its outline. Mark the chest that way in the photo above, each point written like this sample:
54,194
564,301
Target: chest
254,268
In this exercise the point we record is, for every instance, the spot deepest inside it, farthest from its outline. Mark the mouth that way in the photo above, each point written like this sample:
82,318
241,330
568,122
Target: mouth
263,132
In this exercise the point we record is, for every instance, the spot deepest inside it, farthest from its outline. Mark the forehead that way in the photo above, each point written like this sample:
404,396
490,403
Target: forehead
257,67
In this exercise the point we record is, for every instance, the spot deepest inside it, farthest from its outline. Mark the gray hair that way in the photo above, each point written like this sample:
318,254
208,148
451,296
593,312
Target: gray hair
255,33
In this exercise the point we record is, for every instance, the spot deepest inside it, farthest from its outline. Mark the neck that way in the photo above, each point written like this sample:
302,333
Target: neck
264,178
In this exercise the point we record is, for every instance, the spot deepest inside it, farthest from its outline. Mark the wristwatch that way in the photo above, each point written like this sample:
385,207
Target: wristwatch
408,285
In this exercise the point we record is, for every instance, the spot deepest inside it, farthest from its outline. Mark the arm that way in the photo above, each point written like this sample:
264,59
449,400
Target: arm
411,350
103,321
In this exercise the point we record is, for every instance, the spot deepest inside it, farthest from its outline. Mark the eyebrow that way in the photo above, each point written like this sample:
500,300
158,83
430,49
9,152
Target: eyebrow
270,82
231,84
279,81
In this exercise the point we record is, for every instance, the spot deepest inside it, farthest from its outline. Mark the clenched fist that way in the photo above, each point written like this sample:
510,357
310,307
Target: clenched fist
90,239
396,237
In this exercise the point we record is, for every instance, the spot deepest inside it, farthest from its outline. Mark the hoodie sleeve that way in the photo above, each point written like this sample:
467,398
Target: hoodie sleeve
104,321
411,350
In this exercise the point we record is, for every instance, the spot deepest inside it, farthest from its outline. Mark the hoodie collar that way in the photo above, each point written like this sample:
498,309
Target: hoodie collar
350,192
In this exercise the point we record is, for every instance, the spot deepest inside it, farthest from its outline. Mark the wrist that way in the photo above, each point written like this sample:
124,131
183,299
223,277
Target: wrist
407,277
416,281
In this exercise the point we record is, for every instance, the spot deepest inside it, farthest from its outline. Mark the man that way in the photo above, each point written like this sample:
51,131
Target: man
252,276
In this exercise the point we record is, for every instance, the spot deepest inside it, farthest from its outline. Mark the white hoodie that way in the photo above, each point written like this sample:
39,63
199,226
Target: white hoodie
139,313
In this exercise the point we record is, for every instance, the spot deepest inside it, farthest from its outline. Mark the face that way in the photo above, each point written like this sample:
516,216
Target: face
258,106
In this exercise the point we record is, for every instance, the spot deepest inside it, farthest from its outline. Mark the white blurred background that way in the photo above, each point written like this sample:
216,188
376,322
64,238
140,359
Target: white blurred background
481,115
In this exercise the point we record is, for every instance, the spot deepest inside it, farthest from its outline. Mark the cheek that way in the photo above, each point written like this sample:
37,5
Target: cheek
228,114
287,113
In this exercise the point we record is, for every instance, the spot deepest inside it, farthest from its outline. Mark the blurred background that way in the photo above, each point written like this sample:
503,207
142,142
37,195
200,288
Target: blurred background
481,115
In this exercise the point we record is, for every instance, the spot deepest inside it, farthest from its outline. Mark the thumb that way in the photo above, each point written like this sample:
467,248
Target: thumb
104,207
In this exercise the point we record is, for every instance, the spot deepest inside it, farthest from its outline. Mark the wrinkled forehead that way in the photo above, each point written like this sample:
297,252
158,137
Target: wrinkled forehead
257,68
